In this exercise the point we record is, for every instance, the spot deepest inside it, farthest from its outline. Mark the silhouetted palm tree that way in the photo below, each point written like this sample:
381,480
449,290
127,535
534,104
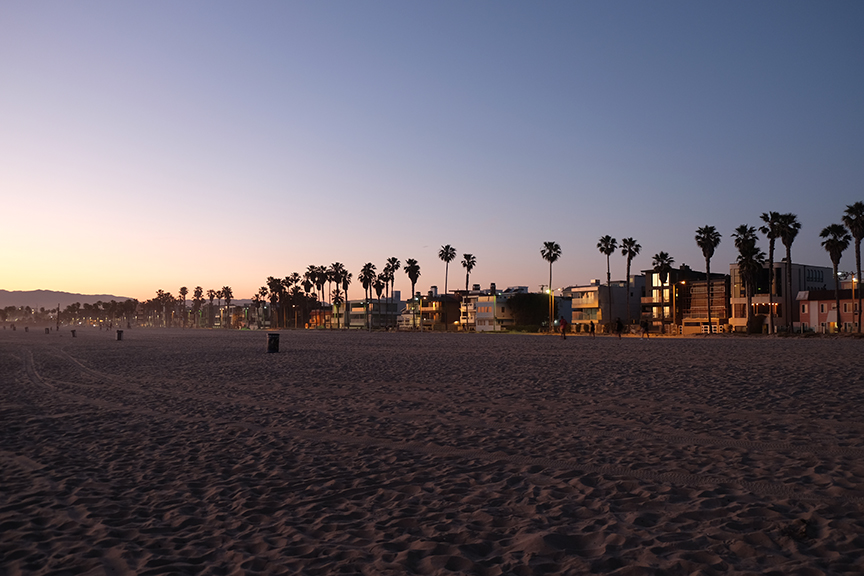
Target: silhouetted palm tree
197,303
447,254
469,261
550,252
789,227
346,281
771,229
183,292
836,241
607,245
662,263
629,249
395,265
276,289
367,278
228,294
211,294
853,219
707,238
412,269
387,277
379,284
750,262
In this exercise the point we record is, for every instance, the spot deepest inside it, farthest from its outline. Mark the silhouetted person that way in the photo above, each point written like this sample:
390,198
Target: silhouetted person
591,328
563,324
619,327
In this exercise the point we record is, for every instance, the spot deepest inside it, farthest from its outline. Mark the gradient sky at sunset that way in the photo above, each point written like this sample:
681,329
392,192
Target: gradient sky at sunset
151,145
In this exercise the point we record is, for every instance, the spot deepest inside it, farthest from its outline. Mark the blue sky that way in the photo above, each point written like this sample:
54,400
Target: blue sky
146,146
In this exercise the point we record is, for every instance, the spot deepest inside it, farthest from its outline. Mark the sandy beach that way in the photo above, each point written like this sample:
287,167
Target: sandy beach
196,452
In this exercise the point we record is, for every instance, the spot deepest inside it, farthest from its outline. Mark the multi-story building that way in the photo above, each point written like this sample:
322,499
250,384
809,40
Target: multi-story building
602,304
680,305
786,310
817,309
492,313
373,313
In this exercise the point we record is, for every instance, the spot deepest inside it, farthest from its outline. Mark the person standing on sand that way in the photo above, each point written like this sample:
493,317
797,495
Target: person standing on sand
591,328
619,327
644,326
563,324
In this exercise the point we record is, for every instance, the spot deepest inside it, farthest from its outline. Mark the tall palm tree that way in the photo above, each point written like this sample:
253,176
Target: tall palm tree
607,245
211,294
662,263
183,292
629,249
197,302
367,278
228,294
346,281
378,285
412,269
395,265
853,219
469,261
771,229
387,277
789,227
334,274
836,241
550,252
262,298
707,238
447,254
750,262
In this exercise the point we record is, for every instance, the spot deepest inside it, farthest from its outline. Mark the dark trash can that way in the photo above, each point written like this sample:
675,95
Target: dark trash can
47,330
272,342
26,329
73,334
119,335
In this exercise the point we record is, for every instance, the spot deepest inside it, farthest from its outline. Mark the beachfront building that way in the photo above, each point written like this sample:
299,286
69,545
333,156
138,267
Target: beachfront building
817,309
787,312
439,312
680,305
596,302
373,313
492,313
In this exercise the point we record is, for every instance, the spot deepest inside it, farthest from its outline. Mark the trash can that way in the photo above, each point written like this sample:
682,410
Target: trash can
26,329
73,334
47,330
119,335
272,342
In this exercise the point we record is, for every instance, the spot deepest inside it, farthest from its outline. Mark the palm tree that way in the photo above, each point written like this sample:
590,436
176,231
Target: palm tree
276,289
662,263
378,285
334,274
228,294
211,294
183,292
387,277
629,249
395,265
469,261
789,227
197,302
550,252
262,297
367,278
447,254
771,229
412,269
750,262
346,281
607,245
707,238
836,241
853,219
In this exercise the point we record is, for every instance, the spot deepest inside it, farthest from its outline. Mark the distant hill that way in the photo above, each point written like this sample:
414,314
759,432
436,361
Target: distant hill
50,298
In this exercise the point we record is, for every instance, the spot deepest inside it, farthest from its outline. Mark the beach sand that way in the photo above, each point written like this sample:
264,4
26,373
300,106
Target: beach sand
196,452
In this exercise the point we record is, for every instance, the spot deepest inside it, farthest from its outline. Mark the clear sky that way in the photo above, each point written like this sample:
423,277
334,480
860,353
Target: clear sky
153,145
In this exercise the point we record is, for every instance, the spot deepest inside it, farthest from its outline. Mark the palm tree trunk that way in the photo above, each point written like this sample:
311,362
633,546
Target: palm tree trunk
708,280
771,286
789,297
627,296
858,269
837,293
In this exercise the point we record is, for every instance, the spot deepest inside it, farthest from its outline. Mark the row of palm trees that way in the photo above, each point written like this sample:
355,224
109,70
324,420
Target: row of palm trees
750,259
